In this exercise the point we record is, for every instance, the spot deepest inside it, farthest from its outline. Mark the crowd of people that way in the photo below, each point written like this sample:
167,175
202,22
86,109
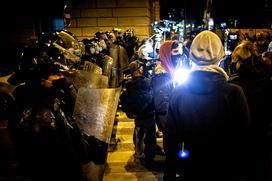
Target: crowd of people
48,143
215,123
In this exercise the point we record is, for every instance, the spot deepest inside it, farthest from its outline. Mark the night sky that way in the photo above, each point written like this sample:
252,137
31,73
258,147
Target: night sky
248,12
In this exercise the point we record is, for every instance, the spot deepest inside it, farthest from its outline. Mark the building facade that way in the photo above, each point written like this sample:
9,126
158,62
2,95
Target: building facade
91,16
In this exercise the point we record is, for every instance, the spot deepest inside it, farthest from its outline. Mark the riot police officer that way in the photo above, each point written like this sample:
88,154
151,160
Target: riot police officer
42,131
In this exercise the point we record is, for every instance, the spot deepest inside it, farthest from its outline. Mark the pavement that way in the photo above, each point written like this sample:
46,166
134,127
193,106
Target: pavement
120,161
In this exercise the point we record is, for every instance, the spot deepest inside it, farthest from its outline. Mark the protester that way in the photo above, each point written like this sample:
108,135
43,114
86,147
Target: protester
137,103
262,41
170,57
253,75
208,120
146,50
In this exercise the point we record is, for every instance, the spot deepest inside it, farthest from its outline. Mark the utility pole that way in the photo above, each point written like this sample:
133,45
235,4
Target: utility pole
185,17
207,13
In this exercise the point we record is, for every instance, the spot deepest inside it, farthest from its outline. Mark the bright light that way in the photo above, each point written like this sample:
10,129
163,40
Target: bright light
183,153
211,23
181,75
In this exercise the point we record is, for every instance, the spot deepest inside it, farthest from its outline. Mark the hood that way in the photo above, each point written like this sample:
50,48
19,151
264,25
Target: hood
165,56
206,49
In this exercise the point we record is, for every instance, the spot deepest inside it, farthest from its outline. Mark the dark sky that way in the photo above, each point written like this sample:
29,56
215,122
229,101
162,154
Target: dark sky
191,8
249,12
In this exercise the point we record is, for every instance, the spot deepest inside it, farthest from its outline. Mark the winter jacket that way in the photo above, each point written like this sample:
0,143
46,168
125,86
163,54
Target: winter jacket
137,100
257,86
212,118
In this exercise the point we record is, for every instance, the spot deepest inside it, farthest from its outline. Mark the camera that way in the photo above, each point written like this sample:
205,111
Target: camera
233,36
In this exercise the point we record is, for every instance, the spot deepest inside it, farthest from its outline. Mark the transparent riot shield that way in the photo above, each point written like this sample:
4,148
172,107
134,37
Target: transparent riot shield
95,111
81,78
92,67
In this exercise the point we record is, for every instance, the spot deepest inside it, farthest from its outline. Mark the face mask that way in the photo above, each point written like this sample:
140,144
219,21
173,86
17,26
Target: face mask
176,56
98,49
92,50
175,59
78,53
103,44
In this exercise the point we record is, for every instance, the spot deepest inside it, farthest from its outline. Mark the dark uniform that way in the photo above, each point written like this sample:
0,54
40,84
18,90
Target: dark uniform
42,131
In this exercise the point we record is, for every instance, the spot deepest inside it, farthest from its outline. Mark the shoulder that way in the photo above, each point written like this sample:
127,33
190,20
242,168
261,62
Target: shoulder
159,68
234,87
234,91
234,78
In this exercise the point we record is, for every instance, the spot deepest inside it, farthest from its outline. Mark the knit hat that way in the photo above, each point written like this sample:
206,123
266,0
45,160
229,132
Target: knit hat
206,49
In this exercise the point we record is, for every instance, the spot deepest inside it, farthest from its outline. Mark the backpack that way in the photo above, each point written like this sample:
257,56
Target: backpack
136,103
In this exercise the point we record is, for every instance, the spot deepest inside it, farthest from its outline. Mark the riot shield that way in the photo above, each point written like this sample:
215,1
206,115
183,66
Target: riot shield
95,111
81,78
107,65
91,67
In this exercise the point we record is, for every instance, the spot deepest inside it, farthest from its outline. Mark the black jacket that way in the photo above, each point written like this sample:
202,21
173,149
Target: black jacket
256,83
138,98
212,118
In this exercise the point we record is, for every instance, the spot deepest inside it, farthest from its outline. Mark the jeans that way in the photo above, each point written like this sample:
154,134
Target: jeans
144,138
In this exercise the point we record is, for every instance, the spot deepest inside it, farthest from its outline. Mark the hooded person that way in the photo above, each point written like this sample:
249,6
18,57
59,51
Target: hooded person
254,76
168,53
171,57
206,52
208,120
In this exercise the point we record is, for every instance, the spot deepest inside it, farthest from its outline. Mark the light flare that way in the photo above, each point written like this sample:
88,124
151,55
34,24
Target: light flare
181,75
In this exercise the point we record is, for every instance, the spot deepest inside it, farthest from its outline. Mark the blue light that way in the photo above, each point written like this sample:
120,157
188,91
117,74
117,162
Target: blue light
58,24
183,153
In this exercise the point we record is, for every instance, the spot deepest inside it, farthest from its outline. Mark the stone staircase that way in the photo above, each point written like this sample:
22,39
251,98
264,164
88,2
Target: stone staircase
120,164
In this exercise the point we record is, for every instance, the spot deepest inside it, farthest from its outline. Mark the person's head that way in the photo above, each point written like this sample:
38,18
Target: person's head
129,33
117,32
206,49
262,41
49,73
102,37
243,52
147,41
168,50
176,48
248,62
111,38
267,58
176,52
135,68
262,37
